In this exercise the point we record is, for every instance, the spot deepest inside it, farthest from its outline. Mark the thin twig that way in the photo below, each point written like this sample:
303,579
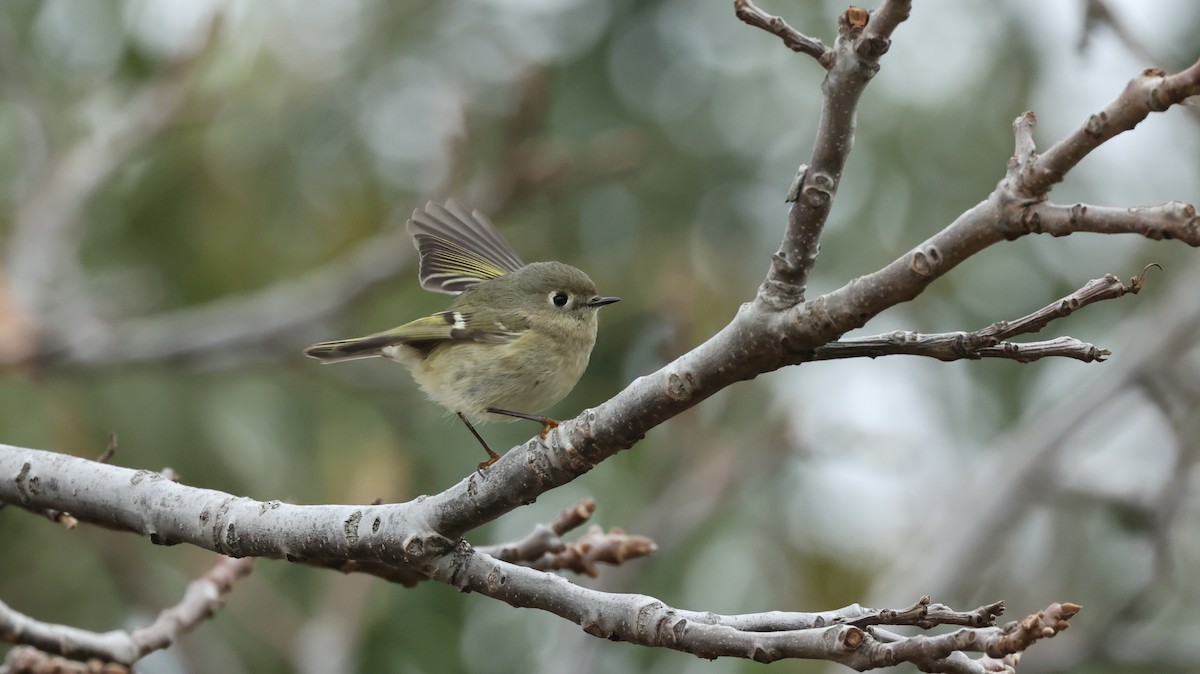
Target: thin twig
794,39
201,600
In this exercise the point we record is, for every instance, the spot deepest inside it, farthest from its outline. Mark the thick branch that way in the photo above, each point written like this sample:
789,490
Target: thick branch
391,535
758,340
382,540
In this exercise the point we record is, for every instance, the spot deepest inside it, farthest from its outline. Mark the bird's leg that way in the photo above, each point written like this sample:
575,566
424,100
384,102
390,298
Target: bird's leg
546,422
492,456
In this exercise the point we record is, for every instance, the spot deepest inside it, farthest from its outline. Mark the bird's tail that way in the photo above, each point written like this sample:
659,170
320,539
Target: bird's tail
348,349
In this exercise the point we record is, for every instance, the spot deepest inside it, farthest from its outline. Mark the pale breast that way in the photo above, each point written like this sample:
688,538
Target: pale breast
527,375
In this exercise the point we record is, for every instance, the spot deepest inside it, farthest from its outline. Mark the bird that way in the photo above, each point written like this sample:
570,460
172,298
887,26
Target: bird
515,340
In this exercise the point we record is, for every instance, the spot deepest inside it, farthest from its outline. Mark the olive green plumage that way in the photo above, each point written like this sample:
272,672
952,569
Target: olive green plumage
515,340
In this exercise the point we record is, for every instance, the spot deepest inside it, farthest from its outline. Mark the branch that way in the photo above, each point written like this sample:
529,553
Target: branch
991,342
1151,91
387,541
852,63
646,621
792,38
1172,220
952,346
201,600
543,548
394,535
1021,481
766,334
1004,215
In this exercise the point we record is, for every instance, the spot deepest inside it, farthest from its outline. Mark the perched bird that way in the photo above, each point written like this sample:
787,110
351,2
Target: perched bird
515,340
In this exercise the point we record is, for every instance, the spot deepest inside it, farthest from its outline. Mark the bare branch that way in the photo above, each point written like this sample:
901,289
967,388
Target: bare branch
544,539
778,328
1151,91
378,535
948,347
1098,12
1001,216
794,39
852,63
990,342
951,346
644,620
612,547
1172,220
201,600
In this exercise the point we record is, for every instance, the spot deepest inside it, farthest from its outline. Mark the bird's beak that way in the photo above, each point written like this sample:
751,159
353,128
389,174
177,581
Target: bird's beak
599,301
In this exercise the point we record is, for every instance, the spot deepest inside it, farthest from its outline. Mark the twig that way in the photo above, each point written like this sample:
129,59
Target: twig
110,450
794,39
201,600
544,538
596,546
1098,12
1151,91
952,346
991,342
1172,220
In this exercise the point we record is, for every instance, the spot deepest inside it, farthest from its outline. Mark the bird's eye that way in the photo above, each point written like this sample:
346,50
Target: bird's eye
559,298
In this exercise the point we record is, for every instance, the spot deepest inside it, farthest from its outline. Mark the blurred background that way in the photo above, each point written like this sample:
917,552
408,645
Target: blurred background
191,192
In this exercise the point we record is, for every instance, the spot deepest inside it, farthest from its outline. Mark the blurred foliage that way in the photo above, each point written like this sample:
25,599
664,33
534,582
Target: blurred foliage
650,143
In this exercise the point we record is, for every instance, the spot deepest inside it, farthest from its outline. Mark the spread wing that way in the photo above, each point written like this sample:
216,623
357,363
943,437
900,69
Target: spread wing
444,326
458,248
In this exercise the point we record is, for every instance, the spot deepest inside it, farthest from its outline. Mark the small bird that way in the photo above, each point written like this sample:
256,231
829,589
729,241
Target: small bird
515,340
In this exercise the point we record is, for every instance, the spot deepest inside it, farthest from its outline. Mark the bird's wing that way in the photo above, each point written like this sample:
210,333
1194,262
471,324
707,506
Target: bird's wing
454,326
458,248
444,326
